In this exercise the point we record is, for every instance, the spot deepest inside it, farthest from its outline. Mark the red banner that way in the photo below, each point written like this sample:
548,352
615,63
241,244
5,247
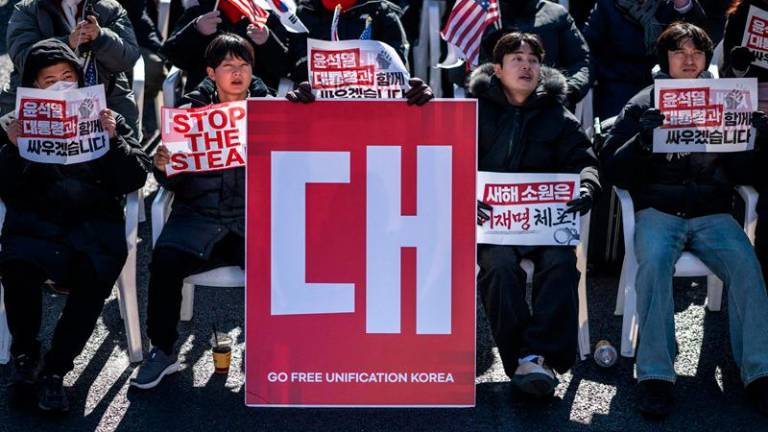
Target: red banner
361,255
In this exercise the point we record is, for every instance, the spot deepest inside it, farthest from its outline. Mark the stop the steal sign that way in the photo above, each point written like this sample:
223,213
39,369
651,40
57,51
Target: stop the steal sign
361,253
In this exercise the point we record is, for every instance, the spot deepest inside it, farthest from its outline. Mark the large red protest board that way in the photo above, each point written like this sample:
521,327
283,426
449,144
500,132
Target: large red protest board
360,265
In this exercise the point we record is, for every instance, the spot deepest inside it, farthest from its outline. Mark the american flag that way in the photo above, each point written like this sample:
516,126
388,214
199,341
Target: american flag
234,9
466,25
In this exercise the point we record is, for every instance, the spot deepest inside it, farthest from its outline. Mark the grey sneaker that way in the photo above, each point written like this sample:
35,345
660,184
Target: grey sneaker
155,367
534,377
51,397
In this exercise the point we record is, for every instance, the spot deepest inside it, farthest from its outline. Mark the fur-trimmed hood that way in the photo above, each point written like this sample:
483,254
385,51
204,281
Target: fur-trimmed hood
552,89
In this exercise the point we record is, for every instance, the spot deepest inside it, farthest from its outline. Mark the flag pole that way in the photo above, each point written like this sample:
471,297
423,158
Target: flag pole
215,6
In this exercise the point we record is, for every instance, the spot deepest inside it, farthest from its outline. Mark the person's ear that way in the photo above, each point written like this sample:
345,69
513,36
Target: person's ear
211,74
497,69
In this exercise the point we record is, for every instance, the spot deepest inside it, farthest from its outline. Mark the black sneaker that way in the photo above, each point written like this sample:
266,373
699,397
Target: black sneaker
157,365
757,390
51,396
25,370
654,398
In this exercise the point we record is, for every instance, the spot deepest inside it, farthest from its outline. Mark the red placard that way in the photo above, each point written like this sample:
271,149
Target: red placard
360,266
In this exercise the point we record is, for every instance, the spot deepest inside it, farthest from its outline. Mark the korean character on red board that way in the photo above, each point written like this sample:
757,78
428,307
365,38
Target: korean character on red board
349,59
349,77
29,127
334,60
698,98
319,60
523,217
503,219
563,191
713,116
699,116
57,128
755,41
57,110
29,108
546,192
528,194
684,99
44,127
668,99
44,109
758,26
70,126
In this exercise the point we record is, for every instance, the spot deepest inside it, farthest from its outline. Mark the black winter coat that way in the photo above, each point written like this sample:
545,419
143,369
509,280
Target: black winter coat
540,136
683,184
386,25
60,210
622,66
733,35
185,47
565,47
206,206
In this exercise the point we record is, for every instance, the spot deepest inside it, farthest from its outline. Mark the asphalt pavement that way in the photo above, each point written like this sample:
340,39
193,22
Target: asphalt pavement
709,394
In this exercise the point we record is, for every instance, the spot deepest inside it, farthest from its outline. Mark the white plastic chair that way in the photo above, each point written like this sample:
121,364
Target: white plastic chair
688,265
581,265
163,15
230,276
126,285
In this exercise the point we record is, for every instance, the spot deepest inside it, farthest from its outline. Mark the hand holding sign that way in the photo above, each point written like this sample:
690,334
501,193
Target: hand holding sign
419,93
649,120
108,122
14,130
161,158
302,93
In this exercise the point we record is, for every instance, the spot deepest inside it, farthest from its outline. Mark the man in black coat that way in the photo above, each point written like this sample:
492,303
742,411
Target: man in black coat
206,228
524,127
683,201
66,223
200,24
566,48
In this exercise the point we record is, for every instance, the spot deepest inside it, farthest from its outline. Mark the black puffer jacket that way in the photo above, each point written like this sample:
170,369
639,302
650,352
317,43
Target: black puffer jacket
565,47
733,35
540,136
185,47
206,206
386,25
683,184
58,210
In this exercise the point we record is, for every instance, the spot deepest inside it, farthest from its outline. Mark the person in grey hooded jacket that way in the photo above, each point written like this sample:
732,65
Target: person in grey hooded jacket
109,34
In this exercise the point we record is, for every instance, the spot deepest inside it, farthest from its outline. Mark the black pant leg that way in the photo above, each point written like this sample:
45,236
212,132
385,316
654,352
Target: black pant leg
167,271
23,305
78,319
553,330
501,282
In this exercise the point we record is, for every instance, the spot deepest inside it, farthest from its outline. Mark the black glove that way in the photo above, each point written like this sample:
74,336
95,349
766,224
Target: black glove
482,216
302,93
649,120
741,58
419,93
584,202
760,123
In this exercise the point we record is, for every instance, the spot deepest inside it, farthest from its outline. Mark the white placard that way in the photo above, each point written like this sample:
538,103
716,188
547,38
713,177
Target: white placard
355,69
528,209
61,127
705,115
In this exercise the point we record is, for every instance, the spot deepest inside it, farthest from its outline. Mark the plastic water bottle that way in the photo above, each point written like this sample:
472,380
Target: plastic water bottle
605,354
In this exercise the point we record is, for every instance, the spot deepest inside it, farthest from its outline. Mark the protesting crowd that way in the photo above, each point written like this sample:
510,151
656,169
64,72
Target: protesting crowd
75,142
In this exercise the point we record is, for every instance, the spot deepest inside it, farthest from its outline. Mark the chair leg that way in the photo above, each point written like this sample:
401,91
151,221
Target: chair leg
714,293
620,292
129,307
5,334
629,325
584,342
187,301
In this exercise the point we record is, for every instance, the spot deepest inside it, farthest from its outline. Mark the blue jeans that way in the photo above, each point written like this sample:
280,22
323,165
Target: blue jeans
720,243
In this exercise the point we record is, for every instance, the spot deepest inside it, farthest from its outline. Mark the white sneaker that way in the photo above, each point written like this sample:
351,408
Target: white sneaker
534,377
